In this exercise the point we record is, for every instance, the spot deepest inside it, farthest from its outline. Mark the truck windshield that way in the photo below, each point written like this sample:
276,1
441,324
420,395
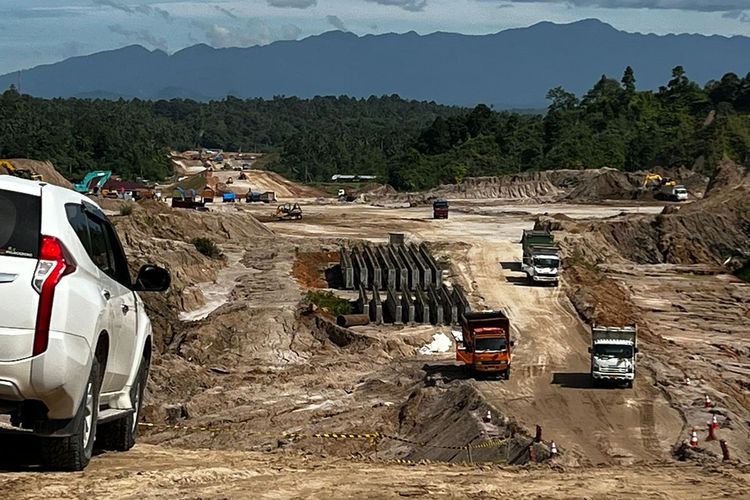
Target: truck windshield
613,351
545,262
490,344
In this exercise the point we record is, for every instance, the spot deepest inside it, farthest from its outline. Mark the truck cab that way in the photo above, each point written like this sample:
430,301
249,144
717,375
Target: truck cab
486,343
613,354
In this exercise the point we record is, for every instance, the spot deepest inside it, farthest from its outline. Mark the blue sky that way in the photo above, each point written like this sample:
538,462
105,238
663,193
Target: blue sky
34,32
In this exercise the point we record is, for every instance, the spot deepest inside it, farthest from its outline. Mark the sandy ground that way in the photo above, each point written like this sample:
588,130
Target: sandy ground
616,443
194,474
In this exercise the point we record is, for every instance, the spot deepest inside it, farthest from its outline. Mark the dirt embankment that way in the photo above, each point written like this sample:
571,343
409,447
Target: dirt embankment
664,272
564,185
43,168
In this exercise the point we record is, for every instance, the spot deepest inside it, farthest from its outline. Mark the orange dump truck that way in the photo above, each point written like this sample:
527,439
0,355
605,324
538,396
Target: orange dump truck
486,344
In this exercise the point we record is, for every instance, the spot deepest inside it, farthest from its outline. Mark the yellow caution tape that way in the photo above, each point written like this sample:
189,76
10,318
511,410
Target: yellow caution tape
335,435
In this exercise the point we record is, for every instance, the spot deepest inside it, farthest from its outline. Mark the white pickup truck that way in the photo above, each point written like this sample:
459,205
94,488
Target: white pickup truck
75,341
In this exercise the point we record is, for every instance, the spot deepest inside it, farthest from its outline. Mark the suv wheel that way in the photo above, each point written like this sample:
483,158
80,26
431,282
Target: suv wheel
120,435
73,453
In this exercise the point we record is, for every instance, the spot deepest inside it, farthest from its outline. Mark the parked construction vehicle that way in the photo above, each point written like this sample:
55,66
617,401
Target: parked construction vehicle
347,195
255,196
613,354
541,257
440,209
185,201
289,211
93,182
486,344
23,173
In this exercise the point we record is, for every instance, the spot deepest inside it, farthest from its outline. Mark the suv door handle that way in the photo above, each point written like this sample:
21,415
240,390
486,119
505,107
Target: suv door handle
106,294
125,309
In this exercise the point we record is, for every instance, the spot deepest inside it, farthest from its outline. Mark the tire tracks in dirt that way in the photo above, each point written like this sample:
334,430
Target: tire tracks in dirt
550,385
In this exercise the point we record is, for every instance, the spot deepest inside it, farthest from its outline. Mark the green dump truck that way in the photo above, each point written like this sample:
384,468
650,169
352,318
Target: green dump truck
541,257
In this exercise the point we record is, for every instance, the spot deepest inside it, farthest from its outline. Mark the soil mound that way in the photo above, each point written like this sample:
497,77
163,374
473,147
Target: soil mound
603,184
710,230
529,185
43,168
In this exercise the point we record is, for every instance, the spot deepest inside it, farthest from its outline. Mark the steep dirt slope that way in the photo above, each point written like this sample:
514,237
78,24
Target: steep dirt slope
44,168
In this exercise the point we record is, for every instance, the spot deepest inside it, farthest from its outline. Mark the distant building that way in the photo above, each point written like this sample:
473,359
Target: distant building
352,178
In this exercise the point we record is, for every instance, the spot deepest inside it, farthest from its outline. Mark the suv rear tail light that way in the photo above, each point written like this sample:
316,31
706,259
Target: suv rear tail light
54,263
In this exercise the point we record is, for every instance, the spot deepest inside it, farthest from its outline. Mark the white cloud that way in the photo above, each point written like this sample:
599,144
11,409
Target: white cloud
337,23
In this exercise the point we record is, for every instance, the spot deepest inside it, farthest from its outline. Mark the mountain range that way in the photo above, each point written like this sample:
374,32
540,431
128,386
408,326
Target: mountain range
511,69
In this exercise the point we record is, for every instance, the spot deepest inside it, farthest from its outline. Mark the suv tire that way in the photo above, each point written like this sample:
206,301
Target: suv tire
120,435
73,453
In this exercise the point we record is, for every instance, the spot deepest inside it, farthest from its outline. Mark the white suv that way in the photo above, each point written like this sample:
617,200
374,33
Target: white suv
75,341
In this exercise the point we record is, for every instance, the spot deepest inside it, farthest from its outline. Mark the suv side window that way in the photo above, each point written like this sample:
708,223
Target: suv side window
121,271
100,251
80,225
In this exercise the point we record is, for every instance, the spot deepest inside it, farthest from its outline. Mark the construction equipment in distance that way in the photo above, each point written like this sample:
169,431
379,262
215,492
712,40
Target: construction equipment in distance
440,209
289,211
486,346
347,195
256,196
613,354
185,201
665,187
93,182
24,173
541,257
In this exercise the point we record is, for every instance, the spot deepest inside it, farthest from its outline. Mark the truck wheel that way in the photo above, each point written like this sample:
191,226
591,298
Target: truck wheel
630,384
73,453
506,375
120,435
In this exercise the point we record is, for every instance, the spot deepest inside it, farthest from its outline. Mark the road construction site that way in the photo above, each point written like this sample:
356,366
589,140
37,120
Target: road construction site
255,388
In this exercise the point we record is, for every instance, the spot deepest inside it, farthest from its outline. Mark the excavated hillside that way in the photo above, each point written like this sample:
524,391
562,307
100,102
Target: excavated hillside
664,273
564,185
43,168
708,231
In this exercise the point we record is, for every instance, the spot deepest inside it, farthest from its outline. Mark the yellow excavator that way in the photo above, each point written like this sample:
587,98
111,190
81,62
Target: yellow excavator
656,181
8,168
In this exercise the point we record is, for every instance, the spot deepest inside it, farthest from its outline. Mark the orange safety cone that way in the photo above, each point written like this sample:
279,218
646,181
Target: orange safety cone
708,403
711,435
714,422
694,439
552,449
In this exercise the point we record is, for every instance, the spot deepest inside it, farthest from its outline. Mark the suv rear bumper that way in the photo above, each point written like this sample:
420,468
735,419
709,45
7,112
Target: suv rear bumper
56,378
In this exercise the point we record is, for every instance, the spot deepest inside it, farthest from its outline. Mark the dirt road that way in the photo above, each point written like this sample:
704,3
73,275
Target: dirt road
549,385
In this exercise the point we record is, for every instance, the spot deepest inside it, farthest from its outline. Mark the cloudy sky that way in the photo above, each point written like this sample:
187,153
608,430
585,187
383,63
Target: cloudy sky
34,32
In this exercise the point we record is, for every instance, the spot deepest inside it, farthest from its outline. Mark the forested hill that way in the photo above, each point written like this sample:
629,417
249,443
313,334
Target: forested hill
611,125
510,69
132,138
411,145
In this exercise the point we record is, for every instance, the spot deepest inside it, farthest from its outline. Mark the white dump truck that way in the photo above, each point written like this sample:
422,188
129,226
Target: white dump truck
674,192
613,354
